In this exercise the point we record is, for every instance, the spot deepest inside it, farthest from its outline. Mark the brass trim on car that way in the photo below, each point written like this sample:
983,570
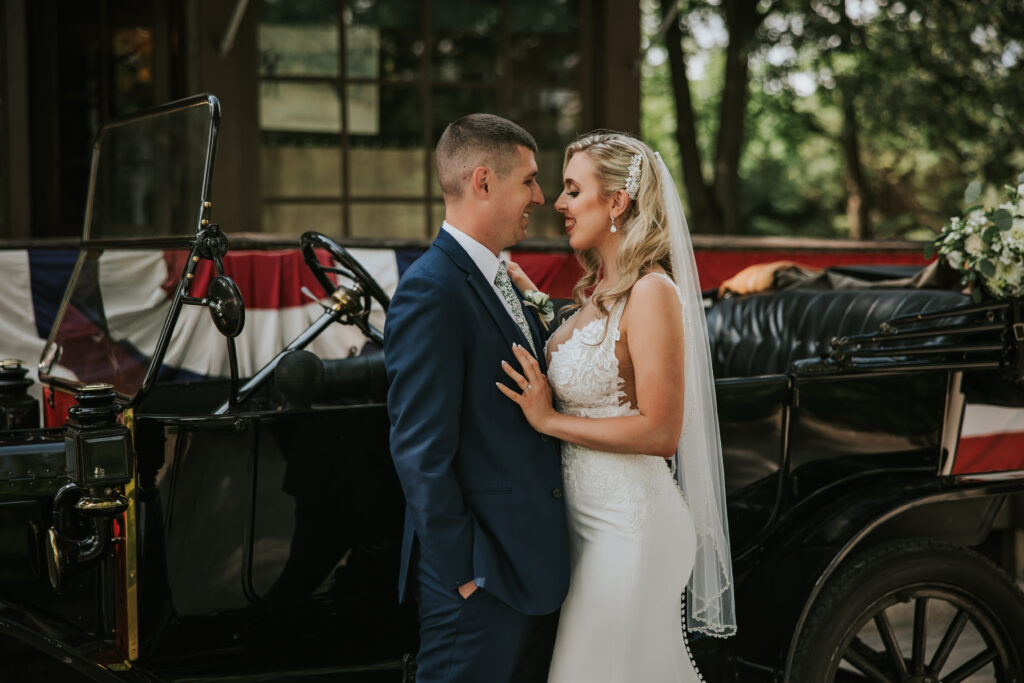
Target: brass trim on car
131,550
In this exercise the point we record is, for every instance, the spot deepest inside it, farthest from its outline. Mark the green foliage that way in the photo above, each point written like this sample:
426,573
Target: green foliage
931,91
972,192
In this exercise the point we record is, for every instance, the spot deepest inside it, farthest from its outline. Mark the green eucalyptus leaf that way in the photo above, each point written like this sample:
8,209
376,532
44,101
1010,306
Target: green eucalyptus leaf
972,192
987,268
929,251
988,234
1020,178
976,295
1002,219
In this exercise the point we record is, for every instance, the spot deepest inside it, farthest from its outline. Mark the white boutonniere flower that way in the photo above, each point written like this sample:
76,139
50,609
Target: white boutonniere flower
540,302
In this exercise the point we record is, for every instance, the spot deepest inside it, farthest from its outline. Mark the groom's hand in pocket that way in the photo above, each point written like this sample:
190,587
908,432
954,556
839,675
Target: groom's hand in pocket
467,589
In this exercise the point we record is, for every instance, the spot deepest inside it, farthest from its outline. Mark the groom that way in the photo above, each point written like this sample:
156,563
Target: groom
485,547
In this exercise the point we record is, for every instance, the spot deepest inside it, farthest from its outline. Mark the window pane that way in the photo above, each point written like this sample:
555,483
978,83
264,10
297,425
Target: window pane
544,45
544,16
380,220
448,104
436,218
363,110
298,38
552,115
362,52
435,187
307,107
300,164
386,141
465,40
132,58
387,172
295,219
383,39
385,116
549,174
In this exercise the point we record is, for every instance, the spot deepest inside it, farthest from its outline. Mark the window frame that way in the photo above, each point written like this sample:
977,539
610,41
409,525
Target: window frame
502,88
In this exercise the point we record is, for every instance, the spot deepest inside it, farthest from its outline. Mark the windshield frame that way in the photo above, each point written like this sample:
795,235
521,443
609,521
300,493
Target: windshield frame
50,353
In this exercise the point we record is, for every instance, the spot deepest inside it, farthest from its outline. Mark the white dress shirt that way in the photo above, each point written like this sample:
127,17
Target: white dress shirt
484,259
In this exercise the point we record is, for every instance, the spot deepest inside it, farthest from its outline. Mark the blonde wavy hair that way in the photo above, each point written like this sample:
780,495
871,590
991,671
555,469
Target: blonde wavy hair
644,241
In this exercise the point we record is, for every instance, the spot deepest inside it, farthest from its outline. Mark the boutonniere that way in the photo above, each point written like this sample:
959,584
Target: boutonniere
540,302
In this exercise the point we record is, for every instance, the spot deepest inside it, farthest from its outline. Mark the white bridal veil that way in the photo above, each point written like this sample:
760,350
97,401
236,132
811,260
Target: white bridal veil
711,604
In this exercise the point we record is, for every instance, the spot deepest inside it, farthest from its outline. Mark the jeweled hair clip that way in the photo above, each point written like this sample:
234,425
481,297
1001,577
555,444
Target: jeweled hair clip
633,177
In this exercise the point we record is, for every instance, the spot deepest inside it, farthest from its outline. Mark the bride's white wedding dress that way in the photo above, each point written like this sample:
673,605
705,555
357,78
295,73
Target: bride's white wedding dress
632,540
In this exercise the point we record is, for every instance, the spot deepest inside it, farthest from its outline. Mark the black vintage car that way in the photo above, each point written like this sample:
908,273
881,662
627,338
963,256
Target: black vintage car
172,528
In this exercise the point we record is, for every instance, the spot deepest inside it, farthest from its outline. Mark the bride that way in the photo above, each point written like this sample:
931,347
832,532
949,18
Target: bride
631,377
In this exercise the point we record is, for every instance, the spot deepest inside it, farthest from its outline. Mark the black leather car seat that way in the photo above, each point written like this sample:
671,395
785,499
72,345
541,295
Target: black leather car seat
763,333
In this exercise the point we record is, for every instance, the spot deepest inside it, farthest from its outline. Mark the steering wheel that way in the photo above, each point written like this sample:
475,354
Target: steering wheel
360,291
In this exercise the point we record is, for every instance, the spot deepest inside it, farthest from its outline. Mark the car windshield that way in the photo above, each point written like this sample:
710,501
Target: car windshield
150,179
149,175
110,324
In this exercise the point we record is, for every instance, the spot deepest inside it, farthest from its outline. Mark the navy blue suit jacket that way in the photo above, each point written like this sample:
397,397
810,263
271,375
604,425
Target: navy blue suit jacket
482,488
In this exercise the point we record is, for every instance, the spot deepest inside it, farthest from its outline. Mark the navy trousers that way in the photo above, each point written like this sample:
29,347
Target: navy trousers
480,639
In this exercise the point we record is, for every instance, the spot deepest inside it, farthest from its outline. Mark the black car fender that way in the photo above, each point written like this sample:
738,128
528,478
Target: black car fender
954,511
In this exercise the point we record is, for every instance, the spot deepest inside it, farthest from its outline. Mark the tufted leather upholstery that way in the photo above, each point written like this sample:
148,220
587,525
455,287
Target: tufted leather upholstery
762,334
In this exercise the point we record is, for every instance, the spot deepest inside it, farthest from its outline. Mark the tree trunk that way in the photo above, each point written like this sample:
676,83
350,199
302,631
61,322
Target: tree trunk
742,19
858,197
704,216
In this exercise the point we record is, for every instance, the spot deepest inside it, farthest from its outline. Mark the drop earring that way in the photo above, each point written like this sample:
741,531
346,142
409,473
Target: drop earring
614,229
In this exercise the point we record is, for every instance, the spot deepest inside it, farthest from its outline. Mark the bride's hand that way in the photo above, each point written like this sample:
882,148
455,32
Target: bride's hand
516,274
535,399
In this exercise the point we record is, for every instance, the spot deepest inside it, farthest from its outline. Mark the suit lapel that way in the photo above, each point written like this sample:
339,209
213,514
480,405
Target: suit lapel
495,307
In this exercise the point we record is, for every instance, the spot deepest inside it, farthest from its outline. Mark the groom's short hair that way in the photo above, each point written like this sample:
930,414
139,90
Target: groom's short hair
478,140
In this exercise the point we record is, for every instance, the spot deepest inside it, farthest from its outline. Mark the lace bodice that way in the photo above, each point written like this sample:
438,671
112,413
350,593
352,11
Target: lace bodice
584,371
584,377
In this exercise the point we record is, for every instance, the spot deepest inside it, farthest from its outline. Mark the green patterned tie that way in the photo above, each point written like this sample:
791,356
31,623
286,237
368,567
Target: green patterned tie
504,284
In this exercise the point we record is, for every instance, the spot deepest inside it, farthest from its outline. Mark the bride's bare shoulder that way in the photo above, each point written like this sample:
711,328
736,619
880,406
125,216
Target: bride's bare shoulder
654,298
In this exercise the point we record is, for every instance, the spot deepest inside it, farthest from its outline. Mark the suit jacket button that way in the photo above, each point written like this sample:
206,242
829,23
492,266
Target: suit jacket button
556,493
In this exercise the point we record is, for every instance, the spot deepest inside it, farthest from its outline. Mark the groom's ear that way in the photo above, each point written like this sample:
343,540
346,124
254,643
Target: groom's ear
480,178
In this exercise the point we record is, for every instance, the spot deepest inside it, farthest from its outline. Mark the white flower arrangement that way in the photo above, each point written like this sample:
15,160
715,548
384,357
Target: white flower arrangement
540,302
986,245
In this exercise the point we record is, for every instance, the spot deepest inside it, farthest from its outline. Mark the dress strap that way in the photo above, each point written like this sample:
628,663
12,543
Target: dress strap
613,321
615,316
663,275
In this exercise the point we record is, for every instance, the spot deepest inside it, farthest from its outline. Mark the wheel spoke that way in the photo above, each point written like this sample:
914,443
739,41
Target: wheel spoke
860,656
891,646
920,634
948,641
973,665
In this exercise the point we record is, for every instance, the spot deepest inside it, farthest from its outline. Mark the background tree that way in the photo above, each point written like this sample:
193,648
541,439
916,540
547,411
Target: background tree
861,118
715,203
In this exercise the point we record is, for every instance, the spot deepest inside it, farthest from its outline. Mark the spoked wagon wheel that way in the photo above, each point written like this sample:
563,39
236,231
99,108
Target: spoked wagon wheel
914,612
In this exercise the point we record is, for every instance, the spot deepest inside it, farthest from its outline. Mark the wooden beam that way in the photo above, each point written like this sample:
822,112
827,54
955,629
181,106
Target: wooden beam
19,186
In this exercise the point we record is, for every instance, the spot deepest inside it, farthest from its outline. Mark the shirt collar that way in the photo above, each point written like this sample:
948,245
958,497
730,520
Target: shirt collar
483,257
